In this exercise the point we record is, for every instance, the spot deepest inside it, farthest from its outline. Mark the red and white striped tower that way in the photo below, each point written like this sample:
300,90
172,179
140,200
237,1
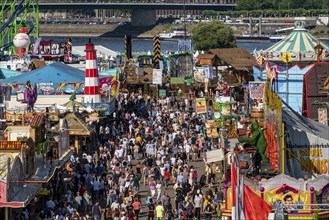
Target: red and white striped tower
91,80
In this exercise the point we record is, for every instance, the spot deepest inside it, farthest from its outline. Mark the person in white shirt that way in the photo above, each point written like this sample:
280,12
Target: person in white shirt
187,150
89,158
115,205
197,205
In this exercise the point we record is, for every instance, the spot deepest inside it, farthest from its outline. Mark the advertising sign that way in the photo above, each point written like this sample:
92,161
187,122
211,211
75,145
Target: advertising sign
257,90
162,93
323,116
157,76
302,159
200,105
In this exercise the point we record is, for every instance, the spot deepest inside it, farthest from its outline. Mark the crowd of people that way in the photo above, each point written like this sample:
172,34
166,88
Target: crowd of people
146,165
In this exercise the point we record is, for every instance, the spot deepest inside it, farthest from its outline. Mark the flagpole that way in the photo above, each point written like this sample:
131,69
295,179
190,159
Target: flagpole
233,214
237,195
242,191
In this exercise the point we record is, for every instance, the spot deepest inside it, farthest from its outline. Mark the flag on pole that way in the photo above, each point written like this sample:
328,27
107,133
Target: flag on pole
260,60
254,206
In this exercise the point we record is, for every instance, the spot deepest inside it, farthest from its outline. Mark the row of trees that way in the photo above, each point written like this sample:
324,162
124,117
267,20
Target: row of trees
282,4
269,12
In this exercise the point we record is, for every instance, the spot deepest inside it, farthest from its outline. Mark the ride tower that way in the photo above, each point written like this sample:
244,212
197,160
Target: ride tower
16,14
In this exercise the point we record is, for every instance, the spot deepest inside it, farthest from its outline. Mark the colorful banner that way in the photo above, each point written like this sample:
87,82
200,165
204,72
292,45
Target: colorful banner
200,106
257,90
62,88
157,76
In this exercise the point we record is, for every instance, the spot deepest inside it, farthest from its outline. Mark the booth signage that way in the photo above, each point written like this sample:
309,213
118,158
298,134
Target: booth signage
162,93
157,76
200,105
257,90
304,158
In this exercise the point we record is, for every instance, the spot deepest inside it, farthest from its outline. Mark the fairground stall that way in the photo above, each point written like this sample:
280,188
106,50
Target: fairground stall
289,60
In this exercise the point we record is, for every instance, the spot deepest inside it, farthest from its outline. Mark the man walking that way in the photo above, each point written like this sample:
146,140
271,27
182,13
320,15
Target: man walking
159,211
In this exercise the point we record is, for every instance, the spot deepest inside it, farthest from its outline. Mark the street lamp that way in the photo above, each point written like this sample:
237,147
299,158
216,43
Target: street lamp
318,51
184,10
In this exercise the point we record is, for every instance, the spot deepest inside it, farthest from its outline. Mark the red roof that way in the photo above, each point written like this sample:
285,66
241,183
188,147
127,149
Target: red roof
37,121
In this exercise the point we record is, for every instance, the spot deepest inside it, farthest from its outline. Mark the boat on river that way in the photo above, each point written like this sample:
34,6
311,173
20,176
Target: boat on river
176,33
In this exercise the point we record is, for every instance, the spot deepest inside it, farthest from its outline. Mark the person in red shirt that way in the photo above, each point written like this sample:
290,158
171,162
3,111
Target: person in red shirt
166,176
137,207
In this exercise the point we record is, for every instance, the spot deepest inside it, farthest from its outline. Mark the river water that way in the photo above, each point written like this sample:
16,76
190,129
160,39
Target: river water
140,45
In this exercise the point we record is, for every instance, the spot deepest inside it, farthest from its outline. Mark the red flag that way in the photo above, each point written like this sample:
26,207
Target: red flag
233,181
255,208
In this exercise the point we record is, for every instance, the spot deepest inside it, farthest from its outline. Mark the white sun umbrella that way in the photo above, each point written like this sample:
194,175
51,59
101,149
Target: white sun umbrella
111,58
202,52
149,53
196,54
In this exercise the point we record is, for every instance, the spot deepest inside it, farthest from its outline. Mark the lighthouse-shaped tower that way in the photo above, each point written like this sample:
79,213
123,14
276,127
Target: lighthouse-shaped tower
91,90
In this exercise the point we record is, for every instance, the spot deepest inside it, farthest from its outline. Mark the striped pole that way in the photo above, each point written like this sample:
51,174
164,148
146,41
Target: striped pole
156,50
128,50
91,90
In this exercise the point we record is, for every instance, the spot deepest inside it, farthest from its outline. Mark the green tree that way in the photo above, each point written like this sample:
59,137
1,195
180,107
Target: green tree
211,35
248,4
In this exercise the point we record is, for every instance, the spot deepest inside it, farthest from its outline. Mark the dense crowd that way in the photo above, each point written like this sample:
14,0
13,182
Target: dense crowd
150,144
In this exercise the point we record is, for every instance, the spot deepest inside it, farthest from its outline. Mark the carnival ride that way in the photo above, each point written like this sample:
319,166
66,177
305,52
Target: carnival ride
16,14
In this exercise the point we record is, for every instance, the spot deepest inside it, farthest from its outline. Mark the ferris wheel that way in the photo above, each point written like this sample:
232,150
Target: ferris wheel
16,14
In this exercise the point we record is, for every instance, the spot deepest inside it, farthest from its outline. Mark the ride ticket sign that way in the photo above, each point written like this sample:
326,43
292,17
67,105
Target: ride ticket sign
256,90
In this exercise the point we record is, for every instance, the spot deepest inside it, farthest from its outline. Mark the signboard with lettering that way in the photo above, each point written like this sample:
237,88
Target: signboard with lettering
200,106
157,76
257,90
302,159
12,145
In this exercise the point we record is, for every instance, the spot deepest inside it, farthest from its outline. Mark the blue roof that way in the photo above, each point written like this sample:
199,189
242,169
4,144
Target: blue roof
6,73
52,73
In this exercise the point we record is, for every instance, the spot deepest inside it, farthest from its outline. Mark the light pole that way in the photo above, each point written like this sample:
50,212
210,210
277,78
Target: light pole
184,11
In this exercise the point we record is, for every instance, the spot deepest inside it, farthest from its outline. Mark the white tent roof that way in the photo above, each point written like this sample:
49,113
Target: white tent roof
99,48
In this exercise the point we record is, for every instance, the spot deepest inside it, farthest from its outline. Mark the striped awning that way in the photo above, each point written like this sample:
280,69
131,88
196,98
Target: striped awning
299,44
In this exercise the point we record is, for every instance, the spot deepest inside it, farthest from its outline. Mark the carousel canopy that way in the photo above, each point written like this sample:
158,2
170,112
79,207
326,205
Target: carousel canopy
299,44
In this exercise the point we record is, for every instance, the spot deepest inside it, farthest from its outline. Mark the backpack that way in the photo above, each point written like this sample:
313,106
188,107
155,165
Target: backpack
208,208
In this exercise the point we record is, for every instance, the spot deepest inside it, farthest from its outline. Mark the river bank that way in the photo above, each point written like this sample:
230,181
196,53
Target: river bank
81,30
116,30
